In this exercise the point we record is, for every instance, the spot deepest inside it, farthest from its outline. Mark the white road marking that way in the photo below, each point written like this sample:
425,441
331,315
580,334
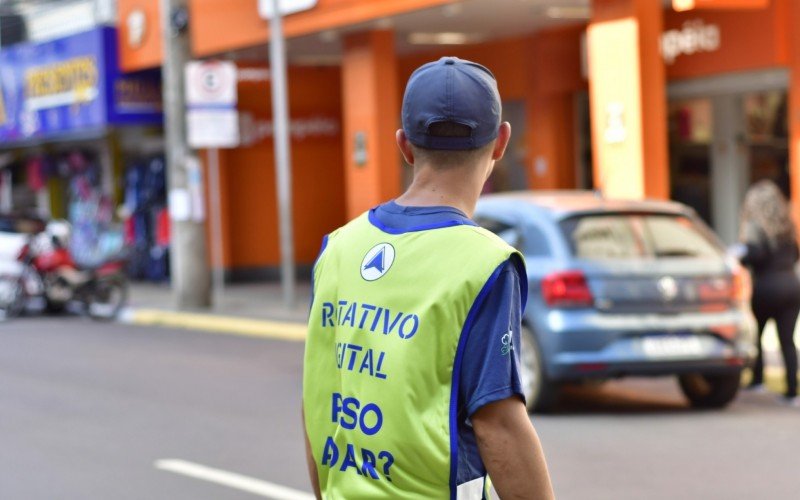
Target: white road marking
232,480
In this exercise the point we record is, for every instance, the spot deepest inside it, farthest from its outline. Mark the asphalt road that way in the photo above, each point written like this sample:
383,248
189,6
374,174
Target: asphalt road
88,411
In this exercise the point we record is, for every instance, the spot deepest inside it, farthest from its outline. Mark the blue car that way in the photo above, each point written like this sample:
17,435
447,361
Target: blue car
624,288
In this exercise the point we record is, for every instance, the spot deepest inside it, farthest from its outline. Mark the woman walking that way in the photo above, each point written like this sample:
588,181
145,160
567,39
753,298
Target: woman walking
771,253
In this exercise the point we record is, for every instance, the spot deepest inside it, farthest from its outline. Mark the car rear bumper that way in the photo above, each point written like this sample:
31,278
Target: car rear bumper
588,344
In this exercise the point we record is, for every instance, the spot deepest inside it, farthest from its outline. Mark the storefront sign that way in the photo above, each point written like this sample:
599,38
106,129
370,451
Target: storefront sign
211,96
694,36
255,129
72,85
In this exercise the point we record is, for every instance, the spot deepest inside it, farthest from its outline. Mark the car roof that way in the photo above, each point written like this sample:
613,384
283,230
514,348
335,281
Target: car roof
562,204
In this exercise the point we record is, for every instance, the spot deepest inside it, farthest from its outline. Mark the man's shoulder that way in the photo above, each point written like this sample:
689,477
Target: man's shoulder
489,240
349,227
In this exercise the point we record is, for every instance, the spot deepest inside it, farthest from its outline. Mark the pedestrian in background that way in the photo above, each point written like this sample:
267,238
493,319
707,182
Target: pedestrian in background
770,250
411,382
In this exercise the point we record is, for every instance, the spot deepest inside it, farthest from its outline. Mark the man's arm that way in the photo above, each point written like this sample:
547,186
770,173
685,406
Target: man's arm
312,465
511,451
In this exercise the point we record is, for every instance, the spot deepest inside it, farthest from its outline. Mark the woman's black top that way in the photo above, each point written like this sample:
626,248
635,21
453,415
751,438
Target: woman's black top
775,282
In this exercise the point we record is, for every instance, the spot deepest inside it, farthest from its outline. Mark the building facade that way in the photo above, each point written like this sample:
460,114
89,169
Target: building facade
631,97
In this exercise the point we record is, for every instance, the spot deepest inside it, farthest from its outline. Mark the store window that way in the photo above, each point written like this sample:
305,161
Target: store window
766,137
691,130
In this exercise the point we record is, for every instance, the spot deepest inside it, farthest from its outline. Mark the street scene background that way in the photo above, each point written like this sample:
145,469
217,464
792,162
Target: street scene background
169,168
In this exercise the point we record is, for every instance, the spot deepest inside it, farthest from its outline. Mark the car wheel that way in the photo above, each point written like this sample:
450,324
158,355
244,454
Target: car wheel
541,394
710,391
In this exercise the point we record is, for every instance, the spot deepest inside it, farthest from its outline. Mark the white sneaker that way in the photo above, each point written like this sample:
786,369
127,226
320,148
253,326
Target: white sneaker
755,388
792,402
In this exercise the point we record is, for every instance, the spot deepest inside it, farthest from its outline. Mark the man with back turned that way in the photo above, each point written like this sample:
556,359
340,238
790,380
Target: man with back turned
411,379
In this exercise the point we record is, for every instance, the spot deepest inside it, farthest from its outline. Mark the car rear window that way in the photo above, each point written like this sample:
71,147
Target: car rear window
628,236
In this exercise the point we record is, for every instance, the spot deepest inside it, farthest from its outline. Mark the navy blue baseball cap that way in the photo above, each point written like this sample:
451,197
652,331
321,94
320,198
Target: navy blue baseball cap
451,90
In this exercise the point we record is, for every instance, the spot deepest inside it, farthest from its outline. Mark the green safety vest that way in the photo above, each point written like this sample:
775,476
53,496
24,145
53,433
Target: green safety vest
383,356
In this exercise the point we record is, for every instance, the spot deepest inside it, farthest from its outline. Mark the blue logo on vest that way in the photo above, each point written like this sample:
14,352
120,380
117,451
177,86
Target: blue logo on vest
377,262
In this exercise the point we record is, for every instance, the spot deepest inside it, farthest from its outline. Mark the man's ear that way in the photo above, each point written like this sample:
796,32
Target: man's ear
503,136
405,146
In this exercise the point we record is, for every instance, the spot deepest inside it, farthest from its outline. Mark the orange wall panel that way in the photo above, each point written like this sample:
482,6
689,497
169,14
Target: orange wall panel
555,77
557,53
551,141
793,15
250,202
371,106
148,52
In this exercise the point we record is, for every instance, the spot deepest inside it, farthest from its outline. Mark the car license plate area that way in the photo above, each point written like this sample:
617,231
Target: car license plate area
673,347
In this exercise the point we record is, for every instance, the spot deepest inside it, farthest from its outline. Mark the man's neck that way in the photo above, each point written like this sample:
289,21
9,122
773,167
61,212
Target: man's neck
455,187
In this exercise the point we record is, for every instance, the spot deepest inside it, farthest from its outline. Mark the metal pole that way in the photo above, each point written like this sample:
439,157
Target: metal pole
189,271
283,161
218,275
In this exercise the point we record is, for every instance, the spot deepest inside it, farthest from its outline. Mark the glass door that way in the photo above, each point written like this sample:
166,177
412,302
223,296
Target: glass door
691,129
766,137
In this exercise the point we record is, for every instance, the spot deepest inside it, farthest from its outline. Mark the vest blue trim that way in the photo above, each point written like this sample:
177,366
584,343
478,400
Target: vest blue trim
373,219
314,269
455,385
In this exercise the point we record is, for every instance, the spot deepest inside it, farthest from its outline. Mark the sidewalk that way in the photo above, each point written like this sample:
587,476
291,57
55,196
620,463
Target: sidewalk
255,309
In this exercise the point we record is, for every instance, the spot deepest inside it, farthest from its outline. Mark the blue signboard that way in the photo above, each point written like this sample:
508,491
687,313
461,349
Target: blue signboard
72,85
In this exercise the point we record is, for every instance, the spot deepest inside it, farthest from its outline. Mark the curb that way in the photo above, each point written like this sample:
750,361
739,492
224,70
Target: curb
213,323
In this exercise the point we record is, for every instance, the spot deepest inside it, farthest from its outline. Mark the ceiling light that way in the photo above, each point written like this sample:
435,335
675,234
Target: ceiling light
682,5
445,38
384,23
452,9
328,36
568,12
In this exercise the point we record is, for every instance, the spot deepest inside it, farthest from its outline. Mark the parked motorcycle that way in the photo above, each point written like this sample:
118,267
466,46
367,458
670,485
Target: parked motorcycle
50,272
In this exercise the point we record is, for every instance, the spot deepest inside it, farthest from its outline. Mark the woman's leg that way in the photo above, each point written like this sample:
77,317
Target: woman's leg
758,366
786,320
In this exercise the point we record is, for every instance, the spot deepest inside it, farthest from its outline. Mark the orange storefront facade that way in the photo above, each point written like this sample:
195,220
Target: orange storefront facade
636,100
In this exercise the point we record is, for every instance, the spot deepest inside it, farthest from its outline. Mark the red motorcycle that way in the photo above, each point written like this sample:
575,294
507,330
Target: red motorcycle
50,272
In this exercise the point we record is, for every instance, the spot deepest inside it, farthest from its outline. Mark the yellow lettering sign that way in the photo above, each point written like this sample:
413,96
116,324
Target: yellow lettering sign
75,76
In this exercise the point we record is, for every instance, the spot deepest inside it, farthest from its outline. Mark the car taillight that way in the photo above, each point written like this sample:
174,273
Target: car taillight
741,285
566,289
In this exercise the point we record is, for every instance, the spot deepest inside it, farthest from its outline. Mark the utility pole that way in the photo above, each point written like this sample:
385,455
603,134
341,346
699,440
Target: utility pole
283,159
189,272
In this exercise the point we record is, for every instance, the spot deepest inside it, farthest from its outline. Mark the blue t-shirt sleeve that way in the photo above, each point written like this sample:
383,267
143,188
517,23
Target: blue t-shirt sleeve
490,366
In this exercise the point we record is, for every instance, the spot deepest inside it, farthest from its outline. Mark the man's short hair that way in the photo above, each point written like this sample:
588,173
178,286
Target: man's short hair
446,158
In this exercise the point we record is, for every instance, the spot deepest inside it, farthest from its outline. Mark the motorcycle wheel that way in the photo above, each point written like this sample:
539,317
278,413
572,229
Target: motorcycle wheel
107,297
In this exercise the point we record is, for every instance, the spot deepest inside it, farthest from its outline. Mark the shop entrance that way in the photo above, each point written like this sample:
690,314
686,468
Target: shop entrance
724,134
